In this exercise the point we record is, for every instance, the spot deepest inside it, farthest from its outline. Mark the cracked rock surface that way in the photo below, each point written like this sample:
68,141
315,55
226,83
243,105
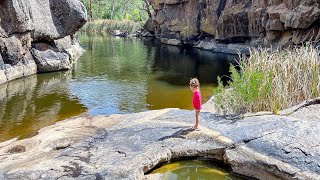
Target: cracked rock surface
128,146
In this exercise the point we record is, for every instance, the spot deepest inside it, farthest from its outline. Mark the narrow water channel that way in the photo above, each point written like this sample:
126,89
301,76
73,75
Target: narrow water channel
114,75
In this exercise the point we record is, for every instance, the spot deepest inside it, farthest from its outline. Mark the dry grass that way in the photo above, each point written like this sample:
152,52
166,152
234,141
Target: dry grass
107,26
271,81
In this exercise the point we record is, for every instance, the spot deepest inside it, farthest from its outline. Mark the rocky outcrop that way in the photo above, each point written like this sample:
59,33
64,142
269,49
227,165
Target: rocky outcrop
254,23
26,24
129,146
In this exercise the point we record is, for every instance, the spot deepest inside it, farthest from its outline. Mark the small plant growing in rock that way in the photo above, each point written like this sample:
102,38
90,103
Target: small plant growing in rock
270,81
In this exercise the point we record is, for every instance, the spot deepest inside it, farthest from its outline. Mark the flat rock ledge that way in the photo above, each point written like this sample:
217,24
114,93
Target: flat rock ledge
129,146
212,45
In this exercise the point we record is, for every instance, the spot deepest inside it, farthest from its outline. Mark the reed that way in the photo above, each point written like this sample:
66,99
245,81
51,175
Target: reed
271,81
108,26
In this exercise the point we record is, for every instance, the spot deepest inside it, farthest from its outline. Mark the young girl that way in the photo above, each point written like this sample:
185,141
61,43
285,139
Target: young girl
195,88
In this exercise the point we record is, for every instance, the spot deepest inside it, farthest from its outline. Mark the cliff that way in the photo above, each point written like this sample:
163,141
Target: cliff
206,23
38,36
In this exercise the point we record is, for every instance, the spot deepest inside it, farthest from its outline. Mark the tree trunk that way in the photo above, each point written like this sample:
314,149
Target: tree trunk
125,8
90,10
99,8
147,5
112,8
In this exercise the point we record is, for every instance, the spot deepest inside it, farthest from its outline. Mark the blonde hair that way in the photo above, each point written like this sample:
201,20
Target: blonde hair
194,82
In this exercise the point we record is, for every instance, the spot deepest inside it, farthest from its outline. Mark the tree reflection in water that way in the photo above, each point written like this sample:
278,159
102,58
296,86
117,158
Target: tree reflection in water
30,103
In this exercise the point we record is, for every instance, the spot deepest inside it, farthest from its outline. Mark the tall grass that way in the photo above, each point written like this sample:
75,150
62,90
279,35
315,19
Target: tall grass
108,26
271,81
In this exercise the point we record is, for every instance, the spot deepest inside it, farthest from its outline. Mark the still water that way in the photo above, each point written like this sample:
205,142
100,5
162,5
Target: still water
194,170
114,75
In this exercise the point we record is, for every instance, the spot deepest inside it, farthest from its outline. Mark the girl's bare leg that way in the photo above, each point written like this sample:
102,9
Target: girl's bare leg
197,119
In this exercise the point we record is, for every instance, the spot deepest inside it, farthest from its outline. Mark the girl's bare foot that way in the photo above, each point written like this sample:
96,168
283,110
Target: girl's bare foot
194,127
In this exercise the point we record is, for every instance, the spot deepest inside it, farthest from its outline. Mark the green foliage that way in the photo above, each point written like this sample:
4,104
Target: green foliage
271,81
223,99
117,9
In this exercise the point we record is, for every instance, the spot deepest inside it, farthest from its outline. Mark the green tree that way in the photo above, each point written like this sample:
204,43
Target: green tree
136,10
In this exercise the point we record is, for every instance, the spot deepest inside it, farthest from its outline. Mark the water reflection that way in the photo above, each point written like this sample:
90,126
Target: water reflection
177,65
172,67
111,77
28,104
123,75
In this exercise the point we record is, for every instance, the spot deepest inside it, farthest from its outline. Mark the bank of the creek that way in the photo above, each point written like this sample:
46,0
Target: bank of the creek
114,75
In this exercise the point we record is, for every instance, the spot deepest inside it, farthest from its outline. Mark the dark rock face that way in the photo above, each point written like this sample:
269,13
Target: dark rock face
25,23
267,22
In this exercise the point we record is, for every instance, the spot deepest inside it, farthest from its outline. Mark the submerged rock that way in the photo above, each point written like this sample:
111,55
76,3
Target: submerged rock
174,42
146,33
128,146
119,33
25,23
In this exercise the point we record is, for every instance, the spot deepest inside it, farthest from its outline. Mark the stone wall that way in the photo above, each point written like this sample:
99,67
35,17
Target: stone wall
266,22
38,36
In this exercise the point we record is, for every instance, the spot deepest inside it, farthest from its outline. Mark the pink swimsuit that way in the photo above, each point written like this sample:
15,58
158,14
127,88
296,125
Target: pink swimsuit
197,100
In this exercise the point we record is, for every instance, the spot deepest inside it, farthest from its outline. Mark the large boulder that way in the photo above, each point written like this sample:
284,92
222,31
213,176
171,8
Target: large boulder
49,59
25,23
48,19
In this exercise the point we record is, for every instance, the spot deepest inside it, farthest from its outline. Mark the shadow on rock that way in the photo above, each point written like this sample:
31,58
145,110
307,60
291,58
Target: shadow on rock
179,134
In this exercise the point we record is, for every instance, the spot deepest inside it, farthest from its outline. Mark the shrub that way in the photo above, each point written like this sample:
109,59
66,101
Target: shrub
270,81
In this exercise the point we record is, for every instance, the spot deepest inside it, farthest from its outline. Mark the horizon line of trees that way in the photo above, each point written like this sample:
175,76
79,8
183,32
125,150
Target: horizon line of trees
135,10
